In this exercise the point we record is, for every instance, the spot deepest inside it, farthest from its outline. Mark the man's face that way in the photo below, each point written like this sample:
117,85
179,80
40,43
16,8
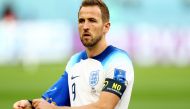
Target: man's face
90,25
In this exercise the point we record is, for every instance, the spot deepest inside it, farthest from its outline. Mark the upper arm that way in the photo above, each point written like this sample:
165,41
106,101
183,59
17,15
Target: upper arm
107,100
113,90
118,82
59,92
111,93
119,77
60,96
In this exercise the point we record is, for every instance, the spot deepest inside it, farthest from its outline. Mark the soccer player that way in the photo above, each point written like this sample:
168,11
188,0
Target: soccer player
101,77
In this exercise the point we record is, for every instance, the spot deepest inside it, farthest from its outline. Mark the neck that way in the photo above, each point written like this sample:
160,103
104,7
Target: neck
96,49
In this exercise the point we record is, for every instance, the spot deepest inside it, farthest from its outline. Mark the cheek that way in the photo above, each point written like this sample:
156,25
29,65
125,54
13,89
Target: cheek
80,29
98,30
80,32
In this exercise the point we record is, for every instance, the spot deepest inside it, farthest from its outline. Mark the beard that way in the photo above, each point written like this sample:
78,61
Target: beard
90,42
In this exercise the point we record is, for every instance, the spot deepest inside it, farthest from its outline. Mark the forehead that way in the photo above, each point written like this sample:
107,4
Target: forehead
90,11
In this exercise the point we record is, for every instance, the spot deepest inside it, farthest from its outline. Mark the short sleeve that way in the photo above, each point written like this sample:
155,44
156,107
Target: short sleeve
59,92
120,68
119,74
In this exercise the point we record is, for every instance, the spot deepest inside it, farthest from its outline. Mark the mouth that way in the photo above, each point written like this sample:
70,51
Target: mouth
86,34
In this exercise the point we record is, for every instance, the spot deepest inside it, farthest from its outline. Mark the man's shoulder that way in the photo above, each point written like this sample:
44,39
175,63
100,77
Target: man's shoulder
118,53
78,56
117,57
75,58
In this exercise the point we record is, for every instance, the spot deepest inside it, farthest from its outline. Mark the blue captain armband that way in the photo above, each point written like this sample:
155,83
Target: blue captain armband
114,86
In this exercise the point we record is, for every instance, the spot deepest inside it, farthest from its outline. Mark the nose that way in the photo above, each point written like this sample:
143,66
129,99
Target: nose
86,26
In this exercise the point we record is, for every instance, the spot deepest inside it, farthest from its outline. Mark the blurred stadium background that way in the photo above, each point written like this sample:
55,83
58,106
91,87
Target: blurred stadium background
37,37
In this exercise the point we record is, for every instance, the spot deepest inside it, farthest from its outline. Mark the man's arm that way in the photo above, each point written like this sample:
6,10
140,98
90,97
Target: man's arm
107,100
58,94
109,97
23,104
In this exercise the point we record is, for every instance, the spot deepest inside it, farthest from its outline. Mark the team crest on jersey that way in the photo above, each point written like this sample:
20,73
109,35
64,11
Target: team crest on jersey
94,78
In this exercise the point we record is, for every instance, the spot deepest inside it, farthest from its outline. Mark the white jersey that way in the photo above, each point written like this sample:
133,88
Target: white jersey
86,76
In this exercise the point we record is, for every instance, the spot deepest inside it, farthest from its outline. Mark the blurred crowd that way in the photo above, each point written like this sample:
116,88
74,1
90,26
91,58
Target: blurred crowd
152,31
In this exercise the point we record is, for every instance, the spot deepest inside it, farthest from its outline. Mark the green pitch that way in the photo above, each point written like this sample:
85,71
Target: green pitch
155,87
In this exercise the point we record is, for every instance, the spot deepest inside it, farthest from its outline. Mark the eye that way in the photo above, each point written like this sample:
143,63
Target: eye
92,20
81,20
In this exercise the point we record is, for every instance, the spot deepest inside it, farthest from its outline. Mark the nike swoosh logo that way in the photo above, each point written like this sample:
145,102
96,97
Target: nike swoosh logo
73,77
55,88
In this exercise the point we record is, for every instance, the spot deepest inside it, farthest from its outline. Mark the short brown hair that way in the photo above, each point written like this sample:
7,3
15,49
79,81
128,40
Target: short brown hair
101,5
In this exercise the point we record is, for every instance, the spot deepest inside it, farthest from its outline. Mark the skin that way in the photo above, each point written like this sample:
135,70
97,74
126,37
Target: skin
22,104
92,31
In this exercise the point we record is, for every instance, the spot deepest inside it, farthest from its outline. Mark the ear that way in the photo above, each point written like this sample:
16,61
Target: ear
106,27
